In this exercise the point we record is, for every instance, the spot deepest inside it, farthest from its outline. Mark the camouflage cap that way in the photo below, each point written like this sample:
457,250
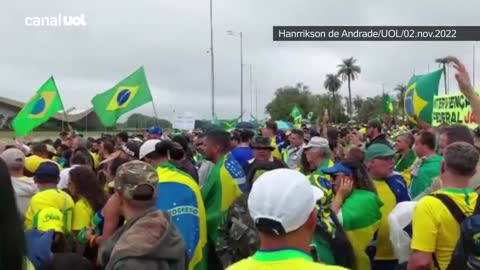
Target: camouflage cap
131,175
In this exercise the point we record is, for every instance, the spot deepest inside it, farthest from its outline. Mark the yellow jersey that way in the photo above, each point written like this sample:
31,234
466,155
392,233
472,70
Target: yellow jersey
276,151
283,259
50,198
95,159
82,215
435,230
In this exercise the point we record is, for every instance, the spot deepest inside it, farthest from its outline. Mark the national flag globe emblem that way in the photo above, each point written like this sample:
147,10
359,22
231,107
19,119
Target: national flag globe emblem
39,106
409,109
123,96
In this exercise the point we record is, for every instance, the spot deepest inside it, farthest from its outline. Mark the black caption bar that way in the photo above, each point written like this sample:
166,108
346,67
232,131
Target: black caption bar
376,33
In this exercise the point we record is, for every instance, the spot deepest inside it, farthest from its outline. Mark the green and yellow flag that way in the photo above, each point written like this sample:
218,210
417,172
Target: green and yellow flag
387,104
361,223
227,125
223,186
130,93
297,116
45,103
310,116
418,97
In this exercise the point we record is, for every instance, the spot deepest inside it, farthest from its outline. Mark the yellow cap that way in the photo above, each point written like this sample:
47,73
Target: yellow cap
48,219
363,131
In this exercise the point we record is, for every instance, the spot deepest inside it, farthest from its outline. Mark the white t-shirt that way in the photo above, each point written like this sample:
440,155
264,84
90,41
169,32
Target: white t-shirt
24,188
65,177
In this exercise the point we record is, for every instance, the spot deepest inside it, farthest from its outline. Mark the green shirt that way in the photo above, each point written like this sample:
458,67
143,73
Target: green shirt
424,173
326,163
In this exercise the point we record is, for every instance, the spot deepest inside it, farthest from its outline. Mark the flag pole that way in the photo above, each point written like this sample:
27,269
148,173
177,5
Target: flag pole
155,112
65,117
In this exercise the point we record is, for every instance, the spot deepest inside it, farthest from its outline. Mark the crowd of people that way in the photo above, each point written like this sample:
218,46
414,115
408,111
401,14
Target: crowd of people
376,196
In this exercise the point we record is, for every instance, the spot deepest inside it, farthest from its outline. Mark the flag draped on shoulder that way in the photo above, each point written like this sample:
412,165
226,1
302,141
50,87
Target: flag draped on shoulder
45,103
220,190
418,97
361,223
182,199
130,93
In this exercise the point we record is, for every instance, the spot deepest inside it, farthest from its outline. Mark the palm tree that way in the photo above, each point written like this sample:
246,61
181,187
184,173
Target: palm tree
349,72
444,62
332,84
400,88
301,87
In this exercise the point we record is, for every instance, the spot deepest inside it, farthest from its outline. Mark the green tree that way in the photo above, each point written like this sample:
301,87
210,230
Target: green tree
140,121
324,101
287,97
357,103
332,84
348,71
371,108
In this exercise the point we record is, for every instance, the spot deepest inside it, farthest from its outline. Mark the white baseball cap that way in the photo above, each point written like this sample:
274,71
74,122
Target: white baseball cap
13,157
317,142
281,201
148,147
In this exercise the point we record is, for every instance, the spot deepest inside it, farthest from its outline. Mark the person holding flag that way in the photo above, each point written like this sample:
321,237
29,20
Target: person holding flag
180,197
222,187
353,187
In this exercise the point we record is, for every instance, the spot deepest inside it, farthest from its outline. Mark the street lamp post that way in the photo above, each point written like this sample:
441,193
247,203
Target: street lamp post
212,61
241,71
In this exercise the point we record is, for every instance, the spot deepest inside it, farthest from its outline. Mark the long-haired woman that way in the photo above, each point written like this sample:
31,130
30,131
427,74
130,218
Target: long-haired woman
13,249
109,218
353,188
90,199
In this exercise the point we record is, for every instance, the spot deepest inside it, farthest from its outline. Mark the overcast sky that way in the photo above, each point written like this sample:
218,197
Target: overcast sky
171,40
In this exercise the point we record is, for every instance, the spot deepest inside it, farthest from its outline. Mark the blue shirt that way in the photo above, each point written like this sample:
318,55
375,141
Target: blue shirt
242,154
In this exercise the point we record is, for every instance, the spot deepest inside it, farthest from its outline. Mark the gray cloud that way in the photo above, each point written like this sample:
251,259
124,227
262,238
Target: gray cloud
171,39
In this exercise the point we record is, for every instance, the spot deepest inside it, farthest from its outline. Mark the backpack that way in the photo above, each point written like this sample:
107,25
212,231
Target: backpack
466,254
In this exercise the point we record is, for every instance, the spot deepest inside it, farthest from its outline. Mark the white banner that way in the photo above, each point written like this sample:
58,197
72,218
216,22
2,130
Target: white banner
184,121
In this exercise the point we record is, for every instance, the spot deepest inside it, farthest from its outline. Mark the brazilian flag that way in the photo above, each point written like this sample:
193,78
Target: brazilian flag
418,97
223,186
130,93
387,104
227,125
361,223
45,103
297,116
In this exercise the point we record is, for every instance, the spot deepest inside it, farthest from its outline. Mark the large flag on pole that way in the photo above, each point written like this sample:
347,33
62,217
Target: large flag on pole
130,93
418,97
45,103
